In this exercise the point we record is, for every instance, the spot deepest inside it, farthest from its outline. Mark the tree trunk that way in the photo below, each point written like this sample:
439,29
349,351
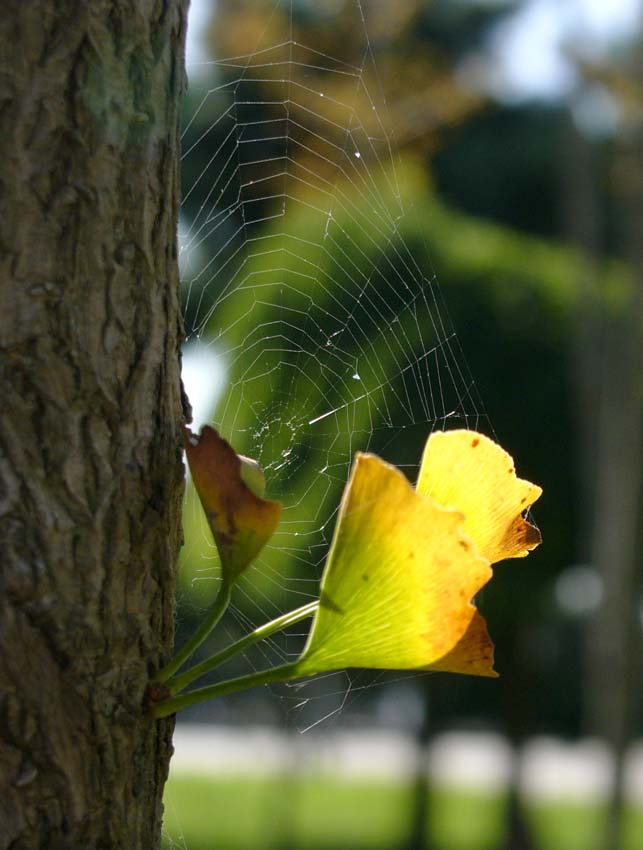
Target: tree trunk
90,463
616,650
608,385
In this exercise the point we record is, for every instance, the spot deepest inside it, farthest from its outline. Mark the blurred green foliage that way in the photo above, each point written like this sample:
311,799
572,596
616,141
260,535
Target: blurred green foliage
512,298
480,209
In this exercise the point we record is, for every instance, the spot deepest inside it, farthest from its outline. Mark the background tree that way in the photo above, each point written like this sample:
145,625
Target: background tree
608,388
553,342
90,465
501,161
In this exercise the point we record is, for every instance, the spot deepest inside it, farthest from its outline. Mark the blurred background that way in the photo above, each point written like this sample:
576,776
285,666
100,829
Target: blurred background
398,217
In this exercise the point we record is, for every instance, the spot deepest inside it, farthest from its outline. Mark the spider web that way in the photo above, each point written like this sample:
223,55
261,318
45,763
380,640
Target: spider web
306,282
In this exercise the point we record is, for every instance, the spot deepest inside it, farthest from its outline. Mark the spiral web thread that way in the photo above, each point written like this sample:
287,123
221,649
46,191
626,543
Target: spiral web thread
305,276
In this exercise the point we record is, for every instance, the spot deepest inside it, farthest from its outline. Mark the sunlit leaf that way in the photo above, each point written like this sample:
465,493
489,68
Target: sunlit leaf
397,589
405,564
468,471
241,521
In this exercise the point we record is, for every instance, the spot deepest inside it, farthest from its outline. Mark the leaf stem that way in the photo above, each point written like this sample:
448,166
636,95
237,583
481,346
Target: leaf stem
211,619
177,683
251,680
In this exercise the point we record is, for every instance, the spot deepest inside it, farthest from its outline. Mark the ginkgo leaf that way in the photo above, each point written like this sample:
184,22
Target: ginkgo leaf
468,471
398,584
472,654
241,521
405,564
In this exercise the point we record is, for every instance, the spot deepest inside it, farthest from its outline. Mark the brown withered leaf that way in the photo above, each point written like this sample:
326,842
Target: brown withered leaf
241,522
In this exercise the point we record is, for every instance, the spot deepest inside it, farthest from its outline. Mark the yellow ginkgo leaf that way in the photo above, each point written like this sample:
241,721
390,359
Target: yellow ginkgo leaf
398,584
468,471
404,565
472,654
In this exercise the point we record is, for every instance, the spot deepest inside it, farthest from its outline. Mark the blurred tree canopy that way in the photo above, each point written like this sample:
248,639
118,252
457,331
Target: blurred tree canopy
489,187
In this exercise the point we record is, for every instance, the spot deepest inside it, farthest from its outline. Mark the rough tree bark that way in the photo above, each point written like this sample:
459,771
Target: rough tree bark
90,465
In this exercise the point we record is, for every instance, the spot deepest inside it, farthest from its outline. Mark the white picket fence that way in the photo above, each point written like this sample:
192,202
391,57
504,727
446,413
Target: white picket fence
545,768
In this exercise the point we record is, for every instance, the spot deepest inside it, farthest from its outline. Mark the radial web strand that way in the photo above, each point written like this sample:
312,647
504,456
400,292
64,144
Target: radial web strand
307,295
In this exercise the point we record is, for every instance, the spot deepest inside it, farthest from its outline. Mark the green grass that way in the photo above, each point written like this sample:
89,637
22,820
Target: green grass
251,814
314,813
573,826
466,821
